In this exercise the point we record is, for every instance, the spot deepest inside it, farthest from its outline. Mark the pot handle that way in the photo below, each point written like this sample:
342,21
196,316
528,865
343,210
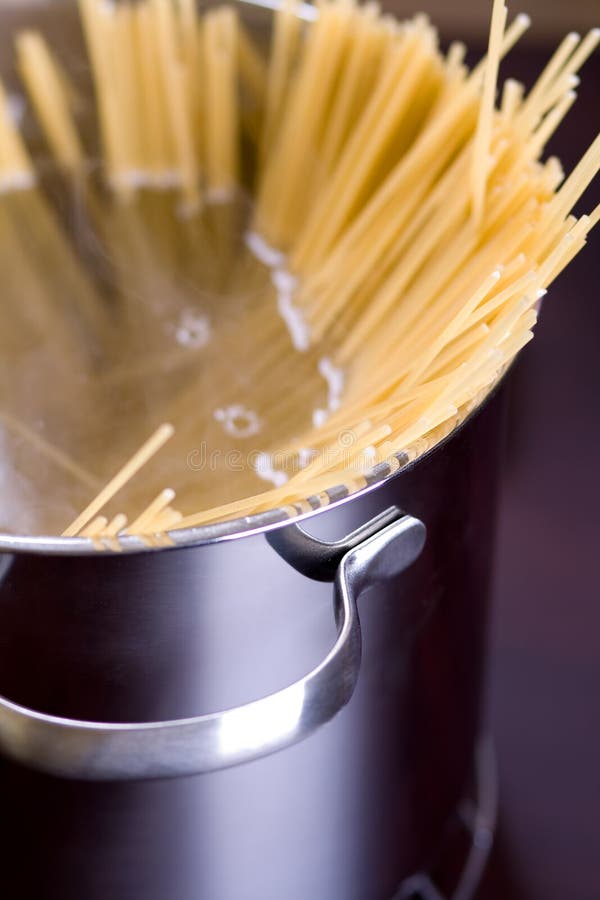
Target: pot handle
96,751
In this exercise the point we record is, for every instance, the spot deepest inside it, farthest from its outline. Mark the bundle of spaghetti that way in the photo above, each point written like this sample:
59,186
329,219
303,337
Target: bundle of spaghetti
47,86
405,217
431,290
285,45
168,93
396,99
222,110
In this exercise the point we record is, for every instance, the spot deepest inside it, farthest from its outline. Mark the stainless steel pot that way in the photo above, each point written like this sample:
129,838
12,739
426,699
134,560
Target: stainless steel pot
377,752
120,779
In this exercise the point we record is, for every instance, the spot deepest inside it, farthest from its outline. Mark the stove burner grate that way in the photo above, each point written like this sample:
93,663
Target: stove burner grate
457,872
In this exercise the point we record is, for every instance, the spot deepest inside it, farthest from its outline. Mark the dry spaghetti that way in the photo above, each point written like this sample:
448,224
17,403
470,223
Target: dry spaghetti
406,222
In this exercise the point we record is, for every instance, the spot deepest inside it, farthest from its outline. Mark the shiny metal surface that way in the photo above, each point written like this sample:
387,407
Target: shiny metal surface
97,751
219,622
321,559
347,814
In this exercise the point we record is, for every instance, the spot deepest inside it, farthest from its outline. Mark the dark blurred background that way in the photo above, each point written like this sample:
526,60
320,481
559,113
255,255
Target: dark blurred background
544,682
545,661
469,19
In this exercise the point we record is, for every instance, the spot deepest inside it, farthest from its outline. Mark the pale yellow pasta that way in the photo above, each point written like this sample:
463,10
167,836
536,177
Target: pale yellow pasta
408,210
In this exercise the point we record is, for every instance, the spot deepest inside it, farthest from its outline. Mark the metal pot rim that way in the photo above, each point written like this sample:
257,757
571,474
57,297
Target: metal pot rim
233,529
246,526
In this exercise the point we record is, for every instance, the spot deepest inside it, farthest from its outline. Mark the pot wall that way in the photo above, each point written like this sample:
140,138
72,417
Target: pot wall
345,815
